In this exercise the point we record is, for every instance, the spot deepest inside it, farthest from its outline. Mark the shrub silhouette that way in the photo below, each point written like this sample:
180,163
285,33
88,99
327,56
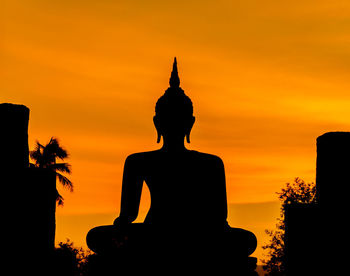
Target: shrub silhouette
297,192
70,260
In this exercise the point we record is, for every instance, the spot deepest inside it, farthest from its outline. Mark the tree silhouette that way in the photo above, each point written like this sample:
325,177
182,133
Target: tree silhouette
70,260
297,192
45,157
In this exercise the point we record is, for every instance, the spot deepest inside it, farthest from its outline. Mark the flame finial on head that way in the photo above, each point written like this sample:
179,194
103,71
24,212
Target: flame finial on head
174,78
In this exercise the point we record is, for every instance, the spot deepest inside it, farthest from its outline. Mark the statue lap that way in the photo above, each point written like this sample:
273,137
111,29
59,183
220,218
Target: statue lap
111,239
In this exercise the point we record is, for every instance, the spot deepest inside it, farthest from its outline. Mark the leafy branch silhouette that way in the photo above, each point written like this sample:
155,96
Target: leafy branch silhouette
297,192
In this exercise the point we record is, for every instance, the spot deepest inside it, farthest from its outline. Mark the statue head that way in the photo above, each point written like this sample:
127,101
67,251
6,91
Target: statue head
174,111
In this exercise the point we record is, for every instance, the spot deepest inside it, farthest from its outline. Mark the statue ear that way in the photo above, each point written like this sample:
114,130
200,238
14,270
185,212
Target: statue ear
188,138
189,129
156,124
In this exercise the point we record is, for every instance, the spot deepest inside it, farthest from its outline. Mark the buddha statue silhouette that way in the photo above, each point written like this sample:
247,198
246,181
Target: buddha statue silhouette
188,191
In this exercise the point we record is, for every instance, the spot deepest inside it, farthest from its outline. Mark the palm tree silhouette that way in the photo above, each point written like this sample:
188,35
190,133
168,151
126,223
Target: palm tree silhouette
45,157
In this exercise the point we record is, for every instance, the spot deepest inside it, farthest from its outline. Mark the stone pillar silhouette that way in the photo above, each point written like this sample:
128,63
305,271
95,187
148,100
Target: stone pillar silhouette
333,193
14,136
333,171
28,198
302,239
40,208
316,234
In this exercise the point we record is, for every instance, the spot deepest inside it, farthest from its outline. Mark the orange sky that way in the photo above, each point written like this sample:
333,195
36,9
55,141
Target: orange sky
266,78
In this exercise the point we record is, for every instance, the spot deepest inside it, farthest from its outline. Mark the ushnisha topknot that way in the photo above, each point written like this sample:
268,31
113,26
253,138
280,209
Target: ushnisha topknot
174,102
174,78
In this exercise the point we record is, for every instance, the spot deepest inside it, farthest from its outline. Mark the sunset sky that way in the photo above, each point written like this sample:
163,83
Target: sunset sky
265,77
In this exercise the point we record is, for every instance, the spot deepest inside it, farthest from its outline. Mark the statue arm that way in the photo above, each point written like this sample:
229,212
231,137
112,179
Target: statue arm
222,191
218,194
131,192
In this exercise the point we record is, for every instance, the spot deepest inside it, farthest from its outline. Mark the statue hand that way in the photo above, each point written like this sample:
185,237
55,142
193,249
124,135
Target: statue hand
120,222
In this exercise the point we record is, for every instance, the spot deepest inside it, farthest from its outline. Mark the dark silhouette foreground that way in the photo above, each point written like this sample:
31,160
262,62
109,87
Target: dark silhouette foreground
187,220
316,233
28,199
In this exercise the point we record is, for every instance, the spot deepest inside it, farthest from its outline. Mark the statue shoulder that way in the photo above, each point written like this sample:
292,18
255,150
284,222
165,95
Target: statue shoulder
211,158
141,157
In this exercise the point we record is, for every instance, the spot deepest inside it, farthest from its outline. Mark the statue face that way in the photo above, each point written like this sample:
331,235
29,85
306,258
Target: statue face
173,126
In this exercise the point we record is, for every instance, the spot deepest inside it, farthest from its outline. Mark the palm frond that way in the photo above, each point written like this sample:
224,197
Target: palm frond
61,153
61,167
65,181
59,199
37,153
45,157
55,148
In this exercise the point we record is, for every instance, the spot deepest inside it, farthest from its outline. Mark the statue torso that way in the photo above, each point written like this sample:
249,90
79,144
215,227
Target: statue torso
187,188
